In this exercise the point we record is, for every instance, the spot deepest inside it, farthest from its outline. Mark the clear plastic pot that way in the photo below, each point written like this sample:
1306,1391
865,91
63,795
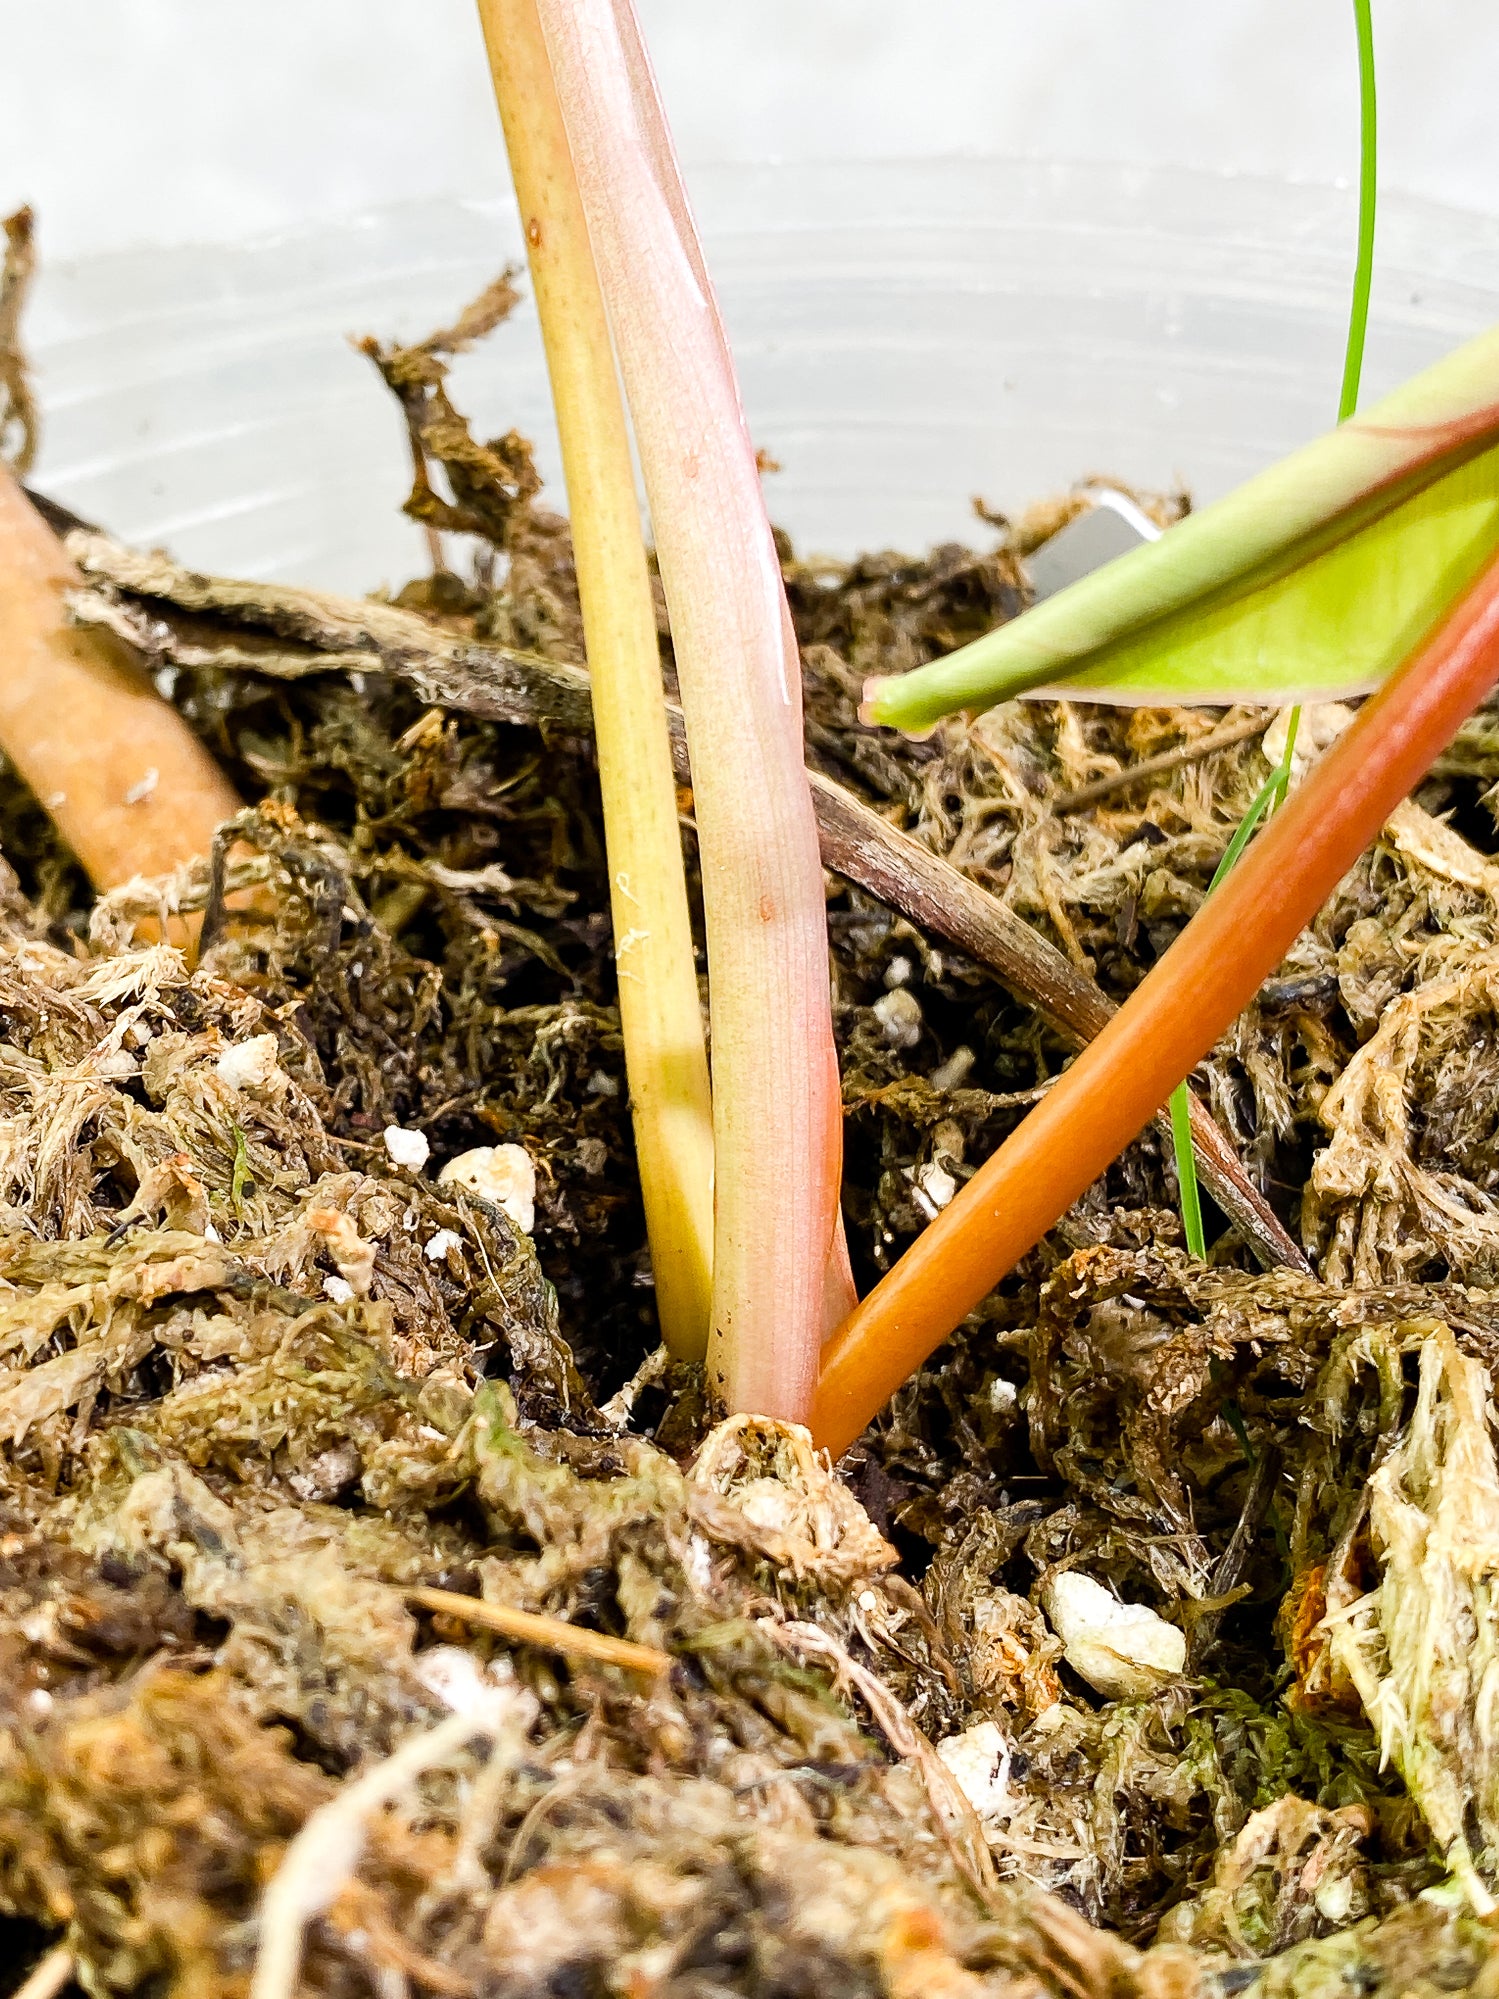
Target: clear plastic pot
909,334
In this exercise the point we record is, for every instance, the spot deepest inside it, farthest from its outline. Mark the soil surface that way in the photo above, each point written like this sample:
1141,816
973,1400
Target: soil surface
295,1426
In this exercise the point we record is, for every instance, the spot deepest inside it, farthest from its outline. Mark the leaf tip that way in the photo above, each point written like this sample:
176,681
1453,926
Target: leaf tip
875,708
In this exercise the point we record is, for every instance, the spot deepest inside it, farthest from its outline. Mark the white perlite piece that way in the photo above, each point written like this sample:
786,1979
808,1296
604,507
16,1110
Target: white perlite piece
248,1065
1124,1650
407,1148
466,1687
502,1174
1112,525
979,1759
438,1245
934,1187
899,1015
699,1562
339,1289
954,1072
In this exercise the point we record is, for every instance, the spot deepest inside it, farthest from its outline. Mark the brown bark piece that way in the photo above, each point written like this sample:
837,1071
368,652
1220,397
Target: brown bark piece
130,788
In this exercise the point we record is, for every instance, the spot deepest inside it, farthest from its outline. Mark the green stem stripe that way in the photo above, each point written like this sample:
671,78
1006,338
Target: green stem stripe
1279,782
1368,181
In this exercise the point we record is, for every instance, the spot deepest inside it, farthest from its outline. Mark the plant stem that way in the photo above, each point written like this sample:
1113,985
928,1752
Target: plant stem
1363,279
1181,1096
1280,777
1209,975
1259,805
777,1114
660,1009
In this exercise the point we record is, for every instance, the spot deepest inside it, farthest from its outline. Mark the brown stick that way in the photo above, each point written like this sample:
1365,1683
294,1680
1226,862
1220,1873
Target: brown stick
50,1976
932,893
129,786
319,633
18,415
1088,795
551,1634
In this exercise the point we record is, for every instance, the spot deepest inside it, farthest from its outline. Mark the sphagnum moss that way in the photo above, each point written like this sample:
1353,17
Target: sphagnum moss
227,1480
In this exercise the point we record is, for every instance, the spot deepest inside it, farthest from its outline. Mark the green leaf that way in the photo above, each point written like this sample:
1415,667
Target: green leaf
1311,581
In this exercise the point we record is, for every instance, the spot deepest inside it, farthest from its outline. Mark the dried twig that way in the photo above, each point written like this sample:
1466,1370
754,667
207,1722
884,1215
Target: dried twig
552,1634
932,893
323,633
18,417
950,1807
130,788
1088,795
326,1851
50,1976
312,632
